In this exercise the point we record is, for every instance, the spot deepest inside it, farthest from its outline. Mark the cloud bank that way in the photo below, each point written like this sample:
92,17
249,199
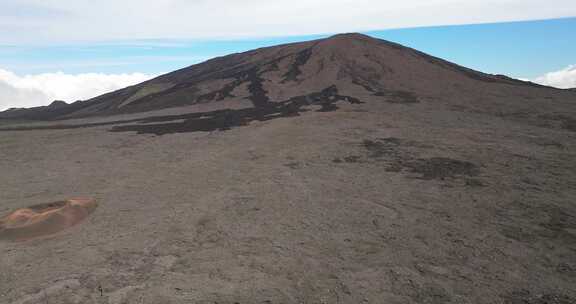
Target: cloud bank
563,79
41,21
41,89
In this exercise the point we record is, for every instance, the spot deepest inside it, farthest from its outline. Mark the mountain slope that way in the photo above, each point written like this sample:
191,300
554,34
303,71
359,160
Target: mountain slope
356,65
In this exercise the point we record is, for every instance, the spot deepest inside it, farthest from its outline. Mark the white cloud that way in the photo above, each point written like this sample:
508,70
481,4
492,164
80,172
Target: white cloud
563,79
42,89
66,20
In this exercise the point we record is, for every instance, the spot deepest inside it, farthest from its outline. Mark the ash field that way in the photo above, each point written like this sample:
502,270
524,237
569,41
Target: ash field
341,170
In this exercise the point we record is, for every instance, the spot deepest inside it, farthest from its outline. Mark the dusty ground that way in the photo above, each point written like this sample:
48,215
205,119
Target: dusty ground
369,203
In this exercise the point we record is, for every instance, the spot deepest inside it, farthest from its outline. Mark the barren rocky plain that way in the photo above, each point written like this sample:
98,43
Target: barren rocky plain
343,170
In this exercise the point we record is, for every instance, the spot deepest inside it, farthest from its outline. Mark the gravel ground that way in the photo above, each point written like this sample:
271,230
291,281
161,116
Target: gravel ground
369,203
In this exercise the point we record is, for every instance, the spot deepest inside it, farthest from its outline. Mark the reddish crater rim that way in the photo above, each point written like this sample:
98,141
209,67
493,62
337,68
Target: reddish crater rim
45,219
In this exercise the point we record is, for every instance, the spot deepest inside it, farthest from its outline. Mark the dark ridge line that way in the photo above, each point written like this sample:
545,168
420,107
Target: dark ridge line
470,73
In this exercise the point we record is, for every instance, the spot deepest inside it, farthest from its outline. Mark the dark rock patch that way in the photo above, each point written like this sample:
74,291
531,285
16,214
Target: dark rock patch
226,119
431,294
218,95
258,94
394,167
392,152
565,122
441,168
473,182
545,223
546,142
215,120
348,159
329,95
364,85
518,234
352,159
328,107
566,269
557,222
525,296
301,58
293,165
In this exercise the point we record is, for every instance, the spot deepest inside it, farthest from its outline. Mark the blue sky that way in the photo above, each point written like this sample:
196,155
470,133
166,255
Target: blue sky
520,49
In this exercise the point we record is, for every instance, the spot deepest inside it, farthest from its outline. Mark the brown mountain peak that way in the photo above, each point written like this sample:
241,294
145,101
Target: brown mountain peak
350,36
351,65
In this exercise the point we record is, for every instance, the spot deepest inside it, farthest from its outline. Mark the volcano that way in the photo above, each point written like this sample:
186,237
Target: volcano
340,170
352,66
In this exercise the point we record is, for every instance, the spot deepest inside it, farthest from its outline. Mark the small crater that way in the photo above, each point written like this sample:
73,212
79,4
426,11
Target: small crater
44,219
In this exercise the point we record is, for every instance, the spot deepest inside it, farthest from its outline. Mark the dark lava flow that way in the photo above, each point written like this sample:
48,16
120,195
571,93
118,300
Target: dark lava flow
227,119
220,119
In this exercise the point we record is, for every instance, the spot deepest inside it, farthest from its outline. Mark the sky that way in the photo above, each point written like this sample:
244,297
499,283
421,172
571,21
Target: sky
77,49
